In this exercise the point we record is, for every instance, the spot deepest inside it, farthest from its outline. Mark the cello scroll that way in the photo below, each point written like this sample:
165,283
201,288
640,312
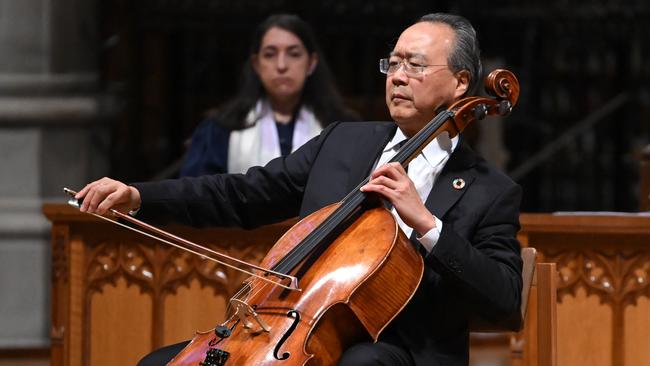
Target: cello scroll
502,85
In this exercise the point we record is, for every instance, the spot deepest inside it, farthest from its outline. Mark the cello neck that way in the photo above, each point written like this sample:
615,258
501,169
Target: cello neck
353,204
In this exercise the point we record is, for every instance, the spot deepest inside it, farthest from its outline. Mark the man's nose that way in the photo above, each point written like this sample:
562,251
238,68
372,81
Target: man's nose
399,77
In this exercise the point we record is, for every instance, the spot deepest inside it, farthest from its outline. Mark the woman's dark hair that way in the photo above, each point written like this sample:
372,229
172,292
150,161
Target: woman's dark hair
319,92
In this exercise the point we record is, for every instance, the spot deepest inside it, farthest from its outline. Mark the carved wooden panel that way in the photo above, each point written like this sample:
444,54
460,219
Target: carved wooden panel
603,263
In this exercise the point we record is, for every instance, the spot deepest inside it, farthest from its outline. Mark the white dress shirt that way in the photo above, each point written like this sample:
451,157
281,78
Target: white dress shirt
423,171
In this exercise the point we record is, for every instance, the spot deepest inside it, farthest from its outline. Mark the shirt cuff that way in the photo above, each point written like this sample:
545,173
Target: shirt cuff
430,238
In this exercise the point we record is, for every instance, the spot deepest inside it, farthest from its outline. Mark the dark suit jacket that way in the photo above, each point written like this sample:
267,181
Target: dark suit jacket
473,270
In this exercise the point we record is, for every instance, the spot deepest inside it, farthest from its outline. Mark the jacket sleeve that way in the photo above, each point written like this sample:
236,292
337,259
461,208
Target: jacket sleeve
261,196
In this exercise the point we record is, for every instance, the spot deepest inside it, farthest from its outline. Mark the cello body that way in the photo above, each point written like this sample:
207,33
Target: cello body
349,292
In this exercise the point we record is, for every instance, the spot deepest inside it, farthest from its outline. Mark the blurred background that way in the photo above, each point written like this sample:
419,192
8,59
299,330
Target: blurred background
580,66
115,87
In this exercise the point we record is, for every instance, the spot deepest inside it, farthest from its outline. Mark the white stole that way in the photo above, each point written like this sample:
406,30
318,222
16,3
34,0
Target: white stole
258,143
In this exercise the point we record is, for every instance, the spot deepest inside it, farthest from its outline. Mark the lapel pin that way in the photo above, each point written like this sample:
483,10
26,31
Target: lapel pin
458,183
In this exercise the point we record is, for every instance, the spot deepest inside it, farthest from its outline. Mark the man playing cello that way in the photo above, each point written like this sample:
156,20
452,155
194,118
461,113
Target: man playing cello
459,211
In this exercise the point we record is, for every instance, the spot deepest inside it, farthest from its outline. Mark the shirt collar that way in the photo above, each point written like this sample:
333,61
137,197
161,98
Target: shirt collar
395,142
441,146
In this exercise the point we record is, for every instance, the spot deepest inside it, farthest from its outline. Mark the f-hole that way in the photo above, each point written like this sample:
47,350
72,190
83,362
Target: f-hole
292,314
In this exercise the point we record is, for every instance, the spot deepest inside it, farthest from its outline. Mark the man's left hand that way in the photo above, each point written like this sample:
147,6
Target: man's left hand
393,183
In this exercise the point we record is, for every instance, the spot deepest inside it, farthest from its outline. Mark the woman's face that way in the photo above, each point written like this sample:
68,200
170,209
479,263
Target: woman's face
283,64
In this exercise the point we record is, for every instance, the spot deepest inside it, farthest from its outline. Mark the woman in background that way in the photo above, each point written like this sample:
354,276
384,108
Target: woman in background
286,97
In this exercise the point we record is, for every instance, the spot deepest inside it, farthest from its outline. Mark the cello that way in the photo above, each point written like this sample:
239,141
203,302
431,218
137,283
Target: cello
333,269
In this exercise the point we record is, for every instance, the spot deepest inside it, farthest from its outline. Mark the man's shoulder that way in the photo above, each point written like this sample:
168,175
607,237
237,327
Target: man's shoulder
363,127
365,124
340,138
483,168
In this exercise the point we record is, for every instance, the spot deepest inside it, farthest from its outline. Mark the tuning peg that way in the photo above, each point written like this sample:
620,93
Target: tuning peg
505,107
480,111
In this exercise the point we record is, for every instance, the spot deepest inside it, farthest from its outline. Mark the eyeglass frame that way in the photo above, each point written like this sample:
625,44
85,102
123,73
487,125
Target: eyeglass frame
409,69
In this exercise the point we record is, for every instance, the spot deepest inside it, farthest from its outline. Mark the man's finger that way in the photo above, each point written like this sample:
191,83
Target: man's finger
393,170
100,192
85,204
385,181
84,191
110,201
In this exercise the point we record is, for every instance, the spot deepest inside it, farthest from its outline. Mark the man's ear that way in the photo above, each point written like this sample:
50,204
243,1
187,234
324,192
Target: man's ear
313,62
462,77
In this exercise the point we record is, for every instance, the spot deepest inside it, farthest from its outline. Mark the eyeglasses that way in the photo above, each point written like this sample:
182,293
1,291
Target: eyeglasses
390,66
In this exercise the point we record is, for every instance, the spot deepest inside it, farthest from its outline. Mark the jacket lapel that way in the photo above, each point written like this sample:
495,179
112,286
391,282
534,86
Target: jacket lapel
367,151
443,194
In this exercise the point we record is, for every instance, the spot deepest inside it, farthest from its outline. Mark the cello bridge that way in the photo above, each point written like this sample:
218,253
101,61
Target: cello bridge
245,312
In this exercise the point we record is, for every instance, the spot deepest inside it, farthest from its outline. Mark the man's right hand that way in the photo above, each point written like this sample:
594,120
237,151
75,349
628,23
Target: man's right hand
104,194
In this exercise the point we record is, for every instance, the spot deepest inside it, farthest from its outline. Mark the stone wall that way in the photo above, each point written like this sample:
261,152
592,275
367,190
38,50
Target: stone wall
53,133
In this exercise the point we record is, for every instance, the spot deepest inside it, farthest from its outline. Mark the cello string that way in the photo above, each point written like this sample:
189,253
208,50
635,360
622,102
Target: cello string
229,309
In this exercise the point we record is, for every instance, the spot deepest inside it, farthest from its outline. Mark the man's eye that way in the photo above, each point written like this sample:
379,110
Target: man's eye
393,63
415,64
